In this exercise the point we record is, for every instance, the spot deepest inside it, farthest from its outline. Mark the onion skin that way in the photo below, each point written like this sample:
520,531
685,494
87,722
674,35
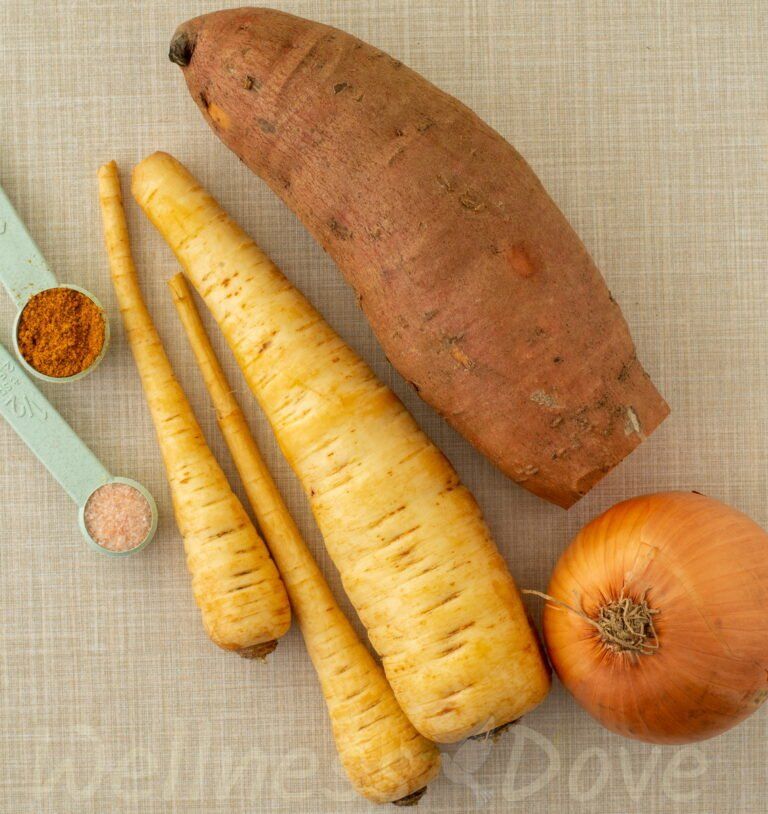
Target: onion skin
703,567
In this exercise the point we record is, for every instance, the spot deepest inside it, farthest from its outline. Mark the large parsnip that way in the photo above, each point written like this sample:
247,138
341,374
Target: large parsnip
414,553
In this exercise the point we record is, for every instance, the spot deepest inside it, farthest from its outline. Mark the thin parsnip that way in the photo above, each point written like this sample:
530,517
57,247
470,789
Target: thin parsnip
384,756
235,583
410,543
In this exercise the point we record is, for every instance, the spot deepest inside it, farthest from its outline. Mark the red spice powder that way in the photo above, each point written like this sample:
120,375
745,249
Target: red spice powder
61,332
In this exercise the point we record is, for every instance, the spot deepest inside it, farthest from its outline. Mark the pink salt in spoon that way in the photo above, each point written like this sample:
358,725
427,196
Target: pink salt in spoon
117,516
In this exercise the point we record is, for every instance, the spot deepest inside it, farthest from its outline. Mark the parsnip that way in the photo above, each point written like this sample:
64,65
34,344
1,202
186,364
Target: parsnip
234,581
413,551
383,755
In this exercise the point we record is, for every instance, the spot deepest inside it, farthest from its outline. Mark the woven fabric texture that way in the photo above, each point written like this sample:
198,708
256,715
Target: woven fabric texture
647,123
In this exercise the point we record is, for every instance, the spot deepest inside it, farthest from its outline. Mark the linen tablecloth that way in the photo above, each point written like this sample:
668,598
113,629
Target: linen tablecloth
648,123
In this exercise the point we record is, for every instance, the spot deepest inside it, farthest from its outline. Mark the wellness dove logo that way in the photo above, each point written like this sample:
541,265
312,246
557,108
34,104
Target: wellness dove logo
462,764
463,761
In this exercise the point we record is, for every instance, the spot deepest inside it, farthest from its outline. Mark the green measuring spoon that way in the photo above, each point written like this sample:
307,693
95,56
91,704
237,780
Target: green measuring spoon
24,272
55,443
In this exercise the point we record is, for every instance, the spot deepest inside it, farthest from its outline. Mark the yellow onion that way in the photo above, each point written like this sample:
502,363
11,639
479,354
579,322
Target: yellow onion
665,633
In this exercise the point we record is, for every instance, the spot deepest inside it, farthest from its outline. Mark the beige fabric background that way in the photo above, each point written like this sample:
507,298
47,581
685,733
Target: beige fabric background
646,120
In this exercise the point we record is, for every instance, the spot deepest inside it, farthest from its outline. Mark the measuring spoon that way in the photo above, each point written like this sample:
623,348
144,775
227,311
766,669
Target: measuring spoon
24,272
55,443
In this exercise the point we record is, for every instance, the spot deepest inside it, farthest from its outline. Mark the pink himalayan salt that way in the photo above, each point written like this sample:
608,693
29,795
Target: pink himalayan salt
118,516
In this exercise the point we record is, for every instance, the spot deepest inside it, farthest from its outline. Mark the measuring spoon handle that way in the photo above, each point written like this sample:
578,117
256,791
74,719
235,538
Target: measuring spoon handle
23,269
47,434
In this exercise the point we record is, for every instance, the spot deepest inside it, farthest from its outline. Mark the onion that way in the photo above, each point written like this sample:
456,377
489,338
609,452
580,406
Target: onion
658,618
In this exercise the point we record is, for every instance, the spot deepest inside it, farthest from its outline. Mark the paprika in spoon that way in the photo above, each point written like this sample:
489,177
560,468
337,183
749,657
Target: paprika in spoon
60,332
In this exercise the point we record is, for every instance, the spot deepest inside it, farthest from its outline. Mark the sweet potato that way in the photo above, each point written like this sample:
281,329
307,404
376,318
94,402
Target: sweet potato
478,289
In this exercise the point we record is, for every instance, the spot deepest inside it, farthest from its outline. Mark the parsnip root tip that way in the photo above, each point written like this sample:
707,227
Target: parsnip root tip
258,651
495,733
411,799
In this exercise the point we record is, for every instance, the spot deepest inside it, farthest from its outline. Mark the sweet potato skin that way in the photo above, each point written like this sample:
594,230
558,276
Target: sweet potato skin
480,292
